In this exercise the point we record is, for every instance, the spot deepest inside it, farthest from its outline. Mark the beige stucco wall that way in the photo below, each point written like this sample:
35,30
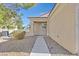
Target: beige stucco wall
34,26
38,28
61,26
38,19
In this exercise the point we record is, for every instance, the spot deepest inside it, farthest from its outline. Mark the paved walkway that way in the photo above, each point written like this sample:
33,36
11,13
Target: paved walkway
32,46
55,48
40,48
45,46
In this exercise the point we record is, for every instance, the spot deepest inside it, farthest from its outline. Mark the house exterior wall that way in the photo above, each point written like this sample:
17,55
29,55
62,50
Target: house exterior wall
34,28
61,26
77,27
40,28
38,19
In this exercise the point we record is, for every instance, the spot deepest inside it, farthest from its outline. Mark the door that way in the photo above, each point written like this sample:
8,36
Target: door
43,29
40,28
36,28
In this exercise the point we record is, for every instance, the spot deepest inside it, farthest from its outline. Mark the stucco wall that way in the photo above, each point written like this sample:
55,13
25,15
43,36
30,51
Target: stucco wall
38,19
36,28
61,26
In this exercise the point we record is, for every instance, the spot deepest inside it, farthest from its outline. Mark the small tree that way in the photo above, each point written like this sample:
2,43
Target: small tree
9,17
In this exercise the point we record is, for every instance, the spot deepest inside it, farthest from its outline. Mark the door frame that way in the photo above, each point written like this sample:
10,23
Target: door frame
40,28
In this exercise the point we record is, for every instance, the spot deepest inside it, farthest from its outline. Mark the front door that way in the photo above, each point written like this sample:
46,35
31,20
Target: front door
40,28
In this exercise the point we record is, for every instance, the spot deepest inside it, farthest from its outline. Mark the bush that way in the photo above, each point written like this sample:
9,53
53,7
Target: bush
18,35
0,34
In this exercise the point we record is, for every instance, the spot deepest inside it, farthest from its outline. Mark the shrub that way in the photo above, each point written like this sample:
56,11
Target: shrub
0,34
18,35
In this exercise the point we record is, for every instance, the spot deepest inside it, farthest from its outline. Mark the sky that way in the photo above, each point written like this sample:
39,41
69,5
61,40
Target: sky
37,10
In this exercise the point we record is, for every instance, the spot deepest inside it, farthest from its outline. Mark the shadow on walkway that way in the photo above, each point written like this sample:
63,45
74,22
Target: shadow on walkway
55,48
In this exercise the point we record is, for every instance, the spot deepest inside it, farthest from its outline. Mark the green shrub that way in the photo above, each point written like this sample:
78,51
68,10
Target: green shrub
0,34
18,35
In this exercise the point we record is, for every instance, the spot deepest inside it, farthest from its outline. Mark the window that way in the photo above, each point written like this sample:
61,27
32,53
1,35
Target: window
44,25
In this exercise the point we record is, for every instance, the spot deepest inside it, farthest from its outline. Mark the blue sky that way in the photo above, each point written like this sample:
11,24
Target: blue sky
37,10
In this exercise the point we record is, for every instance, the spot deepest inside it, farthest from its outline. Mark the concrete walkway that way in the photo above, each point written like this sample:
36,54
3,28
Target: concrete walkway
55,48
32,46
40,48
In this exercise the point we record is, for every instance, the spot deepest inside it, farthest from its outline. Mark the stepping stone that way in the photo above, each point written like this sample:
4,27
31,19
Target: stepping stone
40,48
